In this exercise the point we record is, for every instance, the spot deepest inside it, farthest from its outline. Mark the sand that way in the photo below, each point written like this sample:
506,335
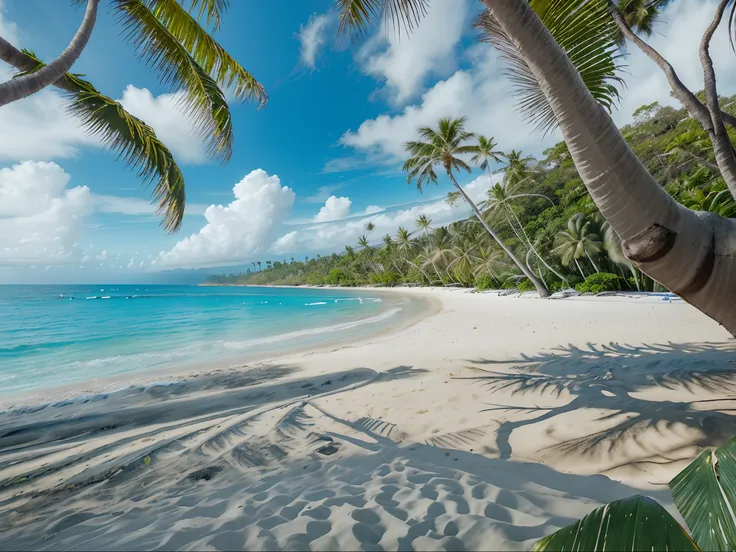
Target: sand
485,426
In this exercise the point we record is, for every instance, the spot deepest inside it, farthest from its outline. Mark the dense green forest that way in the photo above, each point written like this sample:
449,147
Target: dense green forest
542,212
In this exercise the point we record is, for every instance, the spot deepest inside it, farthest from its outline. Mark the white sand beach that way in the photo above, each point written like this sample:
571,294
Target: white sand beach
484,426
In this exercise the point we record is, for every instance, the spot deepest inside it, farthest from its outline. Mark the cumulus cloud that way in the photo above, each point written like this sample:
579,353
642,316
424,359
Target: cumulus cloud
483,94
165,113
335,208
404,62
333,236
239,230
322,193
372,209
313,36
40,218
677,37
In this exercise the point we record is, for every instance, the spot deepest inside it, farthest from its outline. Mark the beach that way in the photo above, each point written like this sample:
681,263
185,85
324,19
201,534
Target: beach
487,424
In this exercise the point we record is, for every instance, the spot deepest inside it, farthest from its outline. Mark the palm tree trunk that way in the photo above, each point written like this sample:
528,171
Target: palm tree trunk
21,87
541,288
426,231
595,266
692,254
529,243
580,268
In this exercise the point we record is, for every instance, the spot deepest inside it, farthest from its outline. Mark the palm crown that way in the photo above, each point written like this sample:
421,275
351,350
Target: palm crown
176,42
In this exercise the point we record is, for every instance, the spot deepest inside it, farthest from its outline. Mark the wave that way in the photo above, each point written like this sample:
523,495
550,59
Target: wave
317,303
312,331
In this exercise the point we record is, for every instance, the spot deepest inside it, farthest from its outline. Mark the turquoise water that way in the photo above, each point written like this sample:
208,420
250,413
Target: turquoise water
59,335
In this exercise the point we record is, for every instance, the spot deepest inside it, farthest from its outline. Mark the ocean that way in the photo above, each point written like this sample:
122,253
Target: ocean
61,335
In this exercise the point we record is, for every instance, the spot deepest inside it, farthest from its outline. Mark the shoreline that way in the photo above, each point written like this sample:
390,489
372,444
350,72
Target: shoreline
174,374
487,425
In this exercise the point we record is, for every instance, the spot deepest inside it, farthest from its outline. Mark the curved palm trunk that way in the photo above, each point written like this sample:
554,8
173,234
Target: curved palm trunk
595,266
534,250
691,253
541,288
426,232
580,268
21,87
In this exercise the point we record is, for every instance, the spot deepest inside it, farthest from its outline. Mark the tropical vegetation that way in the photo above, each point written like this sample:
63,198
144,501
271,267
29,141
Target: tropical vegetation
563,56
704,493
175,39
539,209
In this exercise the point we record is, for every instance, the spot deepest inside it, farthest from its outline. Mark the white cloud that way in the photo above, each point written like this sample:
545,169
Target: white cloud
130,264
322,193
335,208
404,62
102,256
166,114
483,94
233,233
333,236
677,37
286,243
313,36
40,218
372,209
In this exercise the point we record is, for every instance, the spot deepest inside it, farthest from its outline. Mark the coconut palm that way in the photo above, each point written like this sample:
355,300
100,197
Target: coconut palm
363,242
492,261
517,168
370,227
486,153
176,42
443,147
259,265
424,223
577,242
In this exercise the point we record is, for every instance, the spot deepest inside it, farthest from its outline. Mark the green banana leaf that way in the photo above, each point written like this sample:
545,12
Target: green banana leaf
634,523
705,495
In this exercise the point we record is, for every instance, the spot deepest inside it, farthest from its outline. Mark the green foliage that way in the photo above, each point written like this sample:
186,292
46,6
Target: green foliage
543,203
601,281
525,285
339,277
484,282
386,278
704,493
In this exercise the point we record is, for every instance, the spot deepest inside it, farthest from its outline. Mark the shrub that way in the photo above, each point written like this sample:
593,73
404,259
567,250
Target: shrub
314,279
525,285
338,276
601,281
484,282
386,278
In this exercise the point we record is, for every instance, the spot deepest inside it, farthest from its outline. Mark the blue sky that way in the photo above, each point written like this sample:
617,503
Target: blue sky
307,172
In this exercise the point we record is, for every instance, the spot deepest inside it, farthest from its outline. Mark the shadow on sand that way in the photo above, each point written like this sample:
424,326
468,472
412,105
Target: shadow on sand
622,380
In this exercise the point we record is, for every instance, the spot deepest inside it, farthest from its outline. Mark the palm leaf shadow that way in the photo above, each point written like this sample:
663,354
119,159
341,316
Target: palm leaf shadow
615,378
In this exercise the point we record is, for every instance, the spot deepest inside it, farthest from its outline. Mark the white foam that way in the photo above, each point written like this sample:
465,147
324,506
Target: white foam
317,303
312,331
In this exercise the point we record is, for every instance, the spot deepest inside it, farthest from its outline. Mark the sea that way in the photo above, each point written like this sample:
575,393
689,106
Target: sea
60,335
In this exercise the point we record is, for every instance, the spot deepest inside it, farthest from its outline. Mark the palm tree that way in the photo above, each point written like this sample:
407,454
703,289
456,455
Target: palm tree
254,265
370,227
577,242
424,223
688,253
443,147
517,168
259,265
350,252
486,153
176,42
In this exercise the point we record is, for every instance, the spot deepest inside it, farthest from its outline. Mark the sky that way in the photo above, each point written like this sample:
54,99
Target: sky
308,171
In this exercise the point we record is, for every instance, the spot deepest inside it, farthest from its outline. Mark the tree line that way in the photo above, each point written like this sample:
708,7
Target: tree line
539,209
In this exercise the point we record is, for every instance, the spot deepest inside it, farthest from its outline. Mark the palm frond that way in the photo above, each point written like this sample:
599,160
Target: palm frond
214,10
587,34
205,103
133,140
207,52
355,16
